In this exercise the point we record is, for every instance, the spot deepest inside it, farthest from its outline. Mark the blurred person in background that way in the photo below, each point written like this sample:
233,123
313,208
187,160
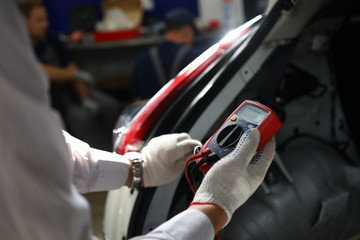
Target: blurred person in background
88,113
156,66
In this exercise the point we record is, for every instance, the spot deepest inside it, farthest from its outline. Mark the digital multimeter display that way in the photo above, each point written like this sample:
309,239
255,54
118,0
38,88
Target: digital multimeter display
252,113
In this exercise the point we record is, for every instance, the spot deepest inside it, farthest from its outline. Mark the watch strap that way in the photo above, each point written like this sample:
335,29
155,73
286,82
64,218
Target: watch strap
137,172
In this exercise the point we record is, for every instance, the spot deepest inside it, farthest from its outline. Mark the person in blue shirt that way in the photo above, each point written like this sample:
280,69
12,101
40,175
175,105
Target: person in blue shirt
156,66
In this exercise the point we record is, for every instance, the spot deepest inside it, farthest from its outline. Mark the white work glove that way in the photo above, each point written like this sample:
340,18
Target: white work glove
234,178
164,157
85,77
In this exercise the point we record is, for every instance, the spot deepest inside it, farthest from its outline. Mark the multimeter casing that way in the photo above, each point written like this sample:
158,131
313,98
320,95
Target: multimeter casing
249,114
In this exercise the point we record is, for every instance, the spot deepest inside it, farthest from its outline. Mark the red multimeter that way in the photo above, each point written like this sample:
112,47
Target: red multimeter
249,114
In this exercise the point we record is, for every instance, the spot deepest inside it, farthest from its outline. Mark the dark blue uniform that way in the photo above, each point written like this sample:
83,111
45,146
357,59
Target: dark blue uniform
145,79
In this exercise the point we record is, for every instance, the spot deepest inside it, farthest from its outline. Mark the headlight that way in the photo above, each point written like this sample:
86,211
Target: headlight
123,124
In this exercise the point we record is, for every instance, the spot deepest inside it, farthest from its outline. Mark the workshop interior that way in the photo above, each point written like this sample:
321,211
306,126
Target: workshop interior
297,57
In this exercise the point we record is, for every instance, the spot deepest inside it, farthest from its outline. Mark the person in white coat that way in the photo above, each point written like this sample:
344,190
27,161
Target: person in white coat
41,180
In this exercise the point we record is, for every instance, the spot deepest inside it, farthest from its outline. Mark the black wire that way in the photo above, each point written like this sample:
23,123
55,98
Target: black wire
211,158
196,175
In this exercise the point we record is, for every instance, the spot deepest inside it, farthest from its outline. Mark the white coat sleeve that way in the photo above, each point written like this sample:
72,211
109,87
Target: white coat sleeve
96,170
188,225
38,199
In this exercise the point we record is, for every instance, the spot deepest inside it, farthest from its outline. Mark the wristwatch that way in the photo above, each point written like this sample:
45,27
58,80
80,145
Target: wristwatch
137,171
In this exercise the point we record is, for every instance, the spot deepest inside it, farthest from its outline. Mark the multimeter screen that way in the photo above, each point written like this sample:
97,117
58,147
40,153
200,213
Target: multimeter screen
252,113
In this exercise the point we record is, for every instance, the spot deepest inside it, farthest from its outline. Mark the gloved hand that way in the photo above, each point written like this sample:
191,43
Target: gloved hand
85,77
164,157
234,178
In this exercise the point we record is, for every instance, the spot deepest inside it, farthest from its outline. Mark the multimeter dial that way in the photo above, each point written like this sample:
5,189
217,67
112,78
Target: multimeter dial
229,136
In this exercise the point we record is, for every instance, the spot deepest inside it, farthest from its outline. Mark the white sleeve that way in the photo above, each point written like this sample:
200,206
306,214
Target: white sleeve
38,199
188,225
95,170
